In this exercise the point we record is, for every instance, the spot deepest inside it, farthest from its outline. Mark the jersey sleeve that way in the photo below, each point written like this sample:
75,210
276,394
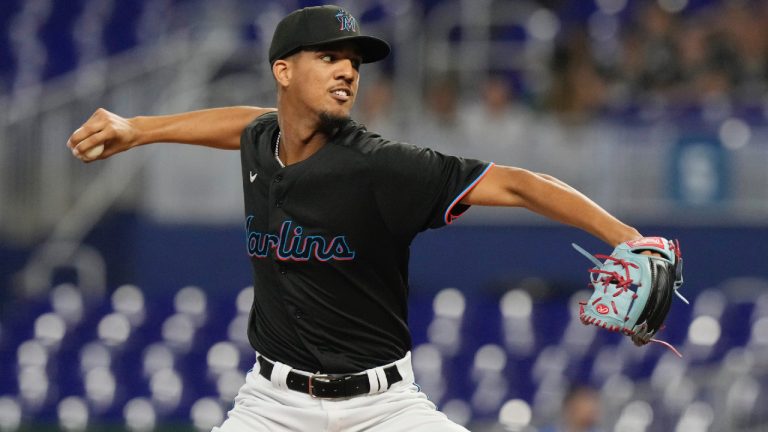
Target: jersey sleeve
255,128
419,188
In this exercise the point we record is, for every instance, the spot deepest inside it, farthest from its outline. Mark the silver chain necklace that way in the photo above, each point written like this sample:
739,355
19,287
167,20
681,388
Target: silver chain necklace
277,150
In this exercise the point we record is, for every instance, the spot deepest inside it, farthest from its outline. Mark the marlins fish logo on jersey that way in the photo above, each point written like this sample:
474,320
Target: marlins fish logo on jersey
292,245
346,21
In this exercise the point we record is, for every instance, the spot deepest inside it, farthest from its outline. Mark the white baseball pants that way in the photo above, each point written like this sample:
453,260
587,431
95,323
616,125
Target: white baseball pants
264,405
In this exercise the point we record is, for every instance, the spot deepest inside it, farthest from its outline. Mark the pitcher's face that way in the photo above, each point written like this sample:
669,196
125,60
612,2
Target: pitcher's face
325,79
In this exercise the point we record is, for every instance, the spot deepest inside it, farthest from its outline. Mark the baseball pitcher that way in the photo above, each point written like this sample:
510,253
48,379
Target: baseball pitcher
330,212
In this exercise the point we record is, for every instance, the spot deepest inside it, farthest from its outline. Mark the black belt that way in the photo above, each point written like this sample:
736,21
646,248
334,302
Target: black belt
329,386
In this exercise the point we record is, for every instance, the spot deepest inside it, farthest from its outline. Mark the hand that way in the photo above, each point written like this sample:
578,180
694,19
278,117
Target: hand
115,133
642,336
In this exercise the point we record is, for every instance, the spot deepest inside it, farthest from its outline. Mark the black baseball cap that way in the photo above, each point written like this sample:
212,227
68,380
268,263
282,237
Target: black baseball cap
320,25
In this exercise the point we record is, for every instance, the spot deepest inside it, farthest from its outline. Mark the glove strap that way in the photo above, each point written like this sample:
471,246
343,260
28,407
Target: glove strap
685,300
589,256
669,346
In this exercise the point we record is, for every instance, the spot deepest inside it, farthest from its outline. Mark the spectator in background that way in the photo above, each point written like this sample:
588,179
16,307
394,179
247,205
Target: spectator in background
745,24
496,124
565,131
659,67
692,45
713,53
580,413
578,91
376,111
438,127
722,70
709,68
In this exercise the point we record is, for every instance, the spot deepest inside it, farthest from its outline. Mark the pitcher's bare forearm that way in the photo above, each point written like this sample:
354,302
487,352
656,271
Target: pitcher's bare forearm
215,127
550,197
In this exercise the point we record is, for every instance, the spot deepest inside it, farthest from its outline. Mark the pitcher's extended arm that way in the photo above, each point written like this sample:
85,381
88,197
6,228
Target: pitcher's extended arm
215,127
550,197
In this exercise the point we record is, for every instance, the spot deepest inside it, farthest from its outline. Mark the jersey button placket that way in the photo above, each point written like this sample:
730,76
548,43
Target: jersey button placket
277,191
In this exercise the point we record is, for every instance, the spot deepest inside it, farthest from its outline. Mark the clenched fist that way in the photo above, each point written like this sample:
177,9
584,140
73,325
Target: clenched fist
103,135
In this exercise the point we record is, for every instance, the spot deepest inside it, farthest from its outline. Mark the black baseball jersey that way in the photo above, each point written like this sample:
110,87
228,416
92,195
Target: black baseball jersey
329,241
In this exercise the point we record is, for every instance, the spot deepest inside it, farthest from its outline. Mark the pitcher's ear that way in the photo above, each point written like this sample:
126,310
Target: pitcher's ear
281,69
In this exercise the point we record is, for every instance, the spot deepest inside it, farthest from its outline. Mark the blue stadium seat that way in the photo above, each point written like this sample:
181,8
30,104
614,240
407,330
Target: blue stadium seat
73,414
139,415
10,413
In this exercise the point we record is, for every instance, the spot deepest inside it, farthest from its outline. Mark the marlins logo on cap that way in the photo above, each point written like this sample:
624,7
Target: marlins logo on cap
321,25
348,22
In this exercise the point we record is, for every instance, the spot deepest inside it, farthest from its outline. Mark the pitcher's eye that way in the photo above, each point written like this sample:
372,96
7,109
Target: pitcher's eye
327,58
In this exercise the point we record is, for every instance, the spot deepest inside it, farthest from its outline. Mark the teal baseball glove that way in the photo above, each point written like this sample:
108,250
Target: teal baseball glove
633,290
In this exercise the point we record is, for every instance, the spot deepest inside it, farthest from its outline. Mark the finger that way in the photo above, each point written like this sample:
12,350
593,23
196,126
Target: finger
81,149
84,131
639,340
90,142
641,336
100,112
74,139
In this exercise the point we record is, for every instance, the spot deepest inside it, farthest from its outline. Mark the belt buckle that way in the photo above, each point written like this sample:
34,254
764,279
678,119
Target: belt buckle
325,378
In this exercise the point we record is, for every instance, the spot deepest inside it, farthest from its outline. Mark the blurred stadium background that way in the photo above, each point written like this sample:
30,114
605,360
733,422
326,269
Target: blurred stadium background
124,284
